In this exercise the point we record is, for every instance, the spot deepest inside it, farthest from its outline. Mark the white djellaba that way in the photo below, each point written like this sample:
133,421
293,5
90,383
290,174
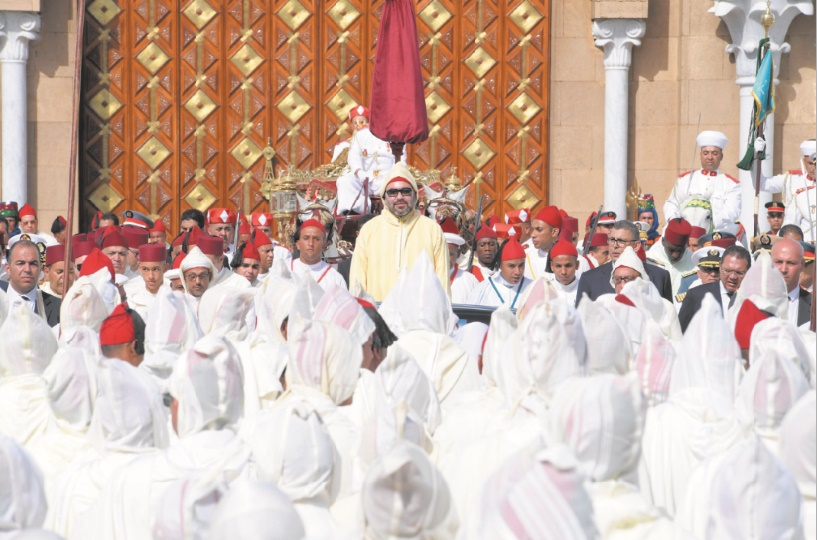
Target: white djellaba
22,494
798,452
255,511
608,346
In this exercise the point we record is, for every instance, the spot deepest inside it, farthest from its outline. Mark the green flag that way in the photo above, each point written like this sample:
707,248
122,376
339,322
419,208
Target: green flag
763,94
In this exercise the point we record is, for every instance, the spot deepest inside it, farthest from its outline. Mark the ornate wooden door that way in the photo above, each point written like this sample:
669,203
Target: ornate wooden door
180,97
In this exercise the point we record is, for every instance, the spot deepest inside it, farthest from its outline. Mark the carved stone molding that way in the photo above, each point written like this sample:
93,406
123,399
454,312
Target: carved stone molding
17,29
617,37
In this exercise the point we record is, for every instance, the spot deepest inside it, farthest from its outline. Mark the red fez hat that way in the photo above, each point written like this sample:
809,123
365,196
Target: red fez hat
642,255
27,210
152,253
599,240
262,219
313,223
82,249
54,254
512,250
79,238
696,232
261,239
95,220
117,328
211,245
563,247
491,221
135,236
550,215
748,316
220,215
177,262
678,231
517,217
590,219
562,213
96,261
243,229
112,237
250,252
503,230
485,232
448,226
92,235
360,110
178,241
193,236
570,225
724,243
159,226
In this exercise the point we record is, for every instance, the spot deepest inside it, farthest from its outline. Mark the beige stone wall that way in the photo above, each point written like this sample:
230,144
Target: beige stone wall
680,70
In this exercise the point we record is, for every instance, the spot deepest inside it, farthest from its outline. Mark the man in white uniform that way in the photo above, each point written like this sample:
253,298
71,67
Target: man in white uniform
797,187
369,160
221,223
564,261
141,293
311,242
509,284
462,282
547,225
708,183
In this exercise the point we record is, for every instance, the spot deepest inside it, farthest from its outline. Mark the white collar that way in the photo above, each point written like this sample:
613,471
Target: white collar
501,281
317,266
794,295
31,295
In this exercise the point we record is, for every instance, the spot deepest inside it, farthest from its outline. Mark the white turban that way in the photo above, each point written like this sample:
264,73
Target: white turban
326,358
339,307
22,494
171,328
282,434
26,343
223,312
82,305
196,259
207,381
129,415
608,346
71,382
629,259
711,138
600,419
808,148
406,497
753,497
256,511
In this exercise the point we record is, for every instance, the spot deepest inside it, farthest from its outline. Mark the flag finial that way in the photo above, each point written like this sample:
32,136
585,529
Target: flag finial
767,19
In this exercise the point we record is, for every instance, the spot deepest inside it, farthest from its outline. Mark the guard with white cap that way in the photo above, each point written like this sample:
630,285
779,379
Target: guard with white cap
708,183
707,262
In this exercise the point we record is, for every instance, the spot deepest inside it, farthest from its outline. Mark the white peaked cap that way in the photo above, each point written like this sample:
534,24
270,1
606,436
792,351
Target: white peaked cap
808,147
278,444
324,357
26,343
753,496
207,381
256,511
608,346
601,419
712,138
405,496
451,238
22,493
129,415
798,443
339,307
537,493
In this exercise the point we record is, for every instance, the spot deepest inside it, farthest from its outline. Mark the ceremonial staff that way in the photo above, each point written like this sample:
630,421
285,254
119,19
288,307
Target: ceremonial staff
72,163
593,223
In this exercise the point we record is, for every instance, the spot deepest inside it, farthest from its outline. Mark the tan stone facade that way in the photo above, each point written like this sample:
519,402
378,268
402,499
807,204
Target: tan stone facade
679,71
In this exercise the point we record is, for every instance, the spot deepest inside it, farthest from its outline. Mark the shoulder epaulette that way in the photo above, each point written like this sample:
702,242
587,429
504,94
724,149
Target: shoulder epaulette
690,273
655,262
684,174
796,171
732,178
680,297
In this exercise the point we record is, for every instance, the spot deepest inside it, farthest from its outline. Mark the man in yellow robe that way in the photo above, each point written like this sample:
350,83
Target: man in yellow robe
393,240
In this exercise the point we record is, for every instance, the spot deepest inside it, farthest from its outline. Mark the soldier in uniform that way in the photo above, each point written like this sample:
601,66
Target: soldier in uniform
775,213
807,275
797,187
763,242
707,270
719,239
695,237
708,183
369,160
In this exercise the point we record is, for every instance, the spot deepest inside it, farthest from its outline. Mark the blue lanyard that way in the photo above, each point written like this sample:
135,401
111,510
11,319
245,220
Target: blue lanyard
518,289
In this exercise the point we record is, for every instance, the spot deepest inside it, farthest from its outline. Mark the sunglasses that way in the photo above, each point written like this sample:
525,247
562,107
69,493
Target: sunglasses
406,191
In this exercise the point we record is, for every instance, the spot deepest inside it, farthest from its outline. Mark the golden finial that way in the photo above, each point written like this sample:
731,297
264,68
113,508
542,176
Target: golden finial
767,19
453,183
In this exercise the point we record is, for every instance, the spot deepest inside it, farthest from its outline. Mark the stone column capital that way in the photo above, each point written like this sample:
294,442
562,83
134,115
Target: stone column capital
617,37
17,28
742,18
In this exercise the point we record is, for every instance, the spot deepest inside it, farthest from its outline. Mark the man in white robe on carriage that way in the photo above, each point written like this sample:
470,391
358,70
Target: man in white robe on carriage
708,184
369,159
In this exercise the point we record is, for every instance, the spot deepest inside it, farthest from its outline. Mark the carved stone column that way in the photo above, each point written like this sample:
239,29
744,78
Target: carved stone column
742,18
617,37
17,28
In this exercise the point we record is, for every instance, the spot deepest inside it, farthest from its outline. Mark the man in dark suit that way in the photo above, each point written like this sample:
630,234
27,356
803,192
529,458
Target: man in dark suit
735,263
23,268
596,282
787,257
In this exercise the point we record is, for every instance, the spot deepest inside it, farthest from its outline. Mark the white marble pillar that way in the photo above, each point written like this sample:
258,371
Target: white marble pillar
17,28
742,18
617,37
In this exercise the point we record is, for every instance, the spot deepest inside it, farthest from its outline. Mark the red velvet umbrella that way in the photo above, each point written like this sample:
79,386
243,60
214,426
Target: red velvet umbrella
398,106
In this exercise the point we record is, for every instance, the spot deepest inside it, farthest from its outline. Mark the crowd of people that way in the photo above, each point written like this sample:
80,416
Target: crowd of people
638,382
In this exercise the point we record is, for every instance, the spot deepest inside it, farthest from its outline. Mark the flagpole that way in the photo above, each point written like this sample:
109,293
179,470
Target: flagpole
767,20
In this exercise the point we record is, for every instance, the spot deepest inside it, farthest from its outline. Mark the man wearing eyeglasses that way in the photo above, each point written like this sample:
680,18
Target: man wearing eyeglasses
392,242
797,187
596,282
734,264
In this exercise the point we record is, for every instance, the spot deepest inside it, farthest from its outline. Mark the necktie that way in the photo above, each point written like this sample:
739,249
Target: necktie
731,296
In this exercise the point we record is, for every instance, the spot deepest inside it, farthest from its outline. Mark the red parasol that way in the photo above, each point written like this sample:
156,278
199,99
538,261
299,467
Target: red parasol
398,106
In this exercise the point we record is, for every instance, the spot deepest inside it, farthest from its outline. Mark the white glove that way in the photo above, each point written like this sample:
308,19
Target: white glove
760,145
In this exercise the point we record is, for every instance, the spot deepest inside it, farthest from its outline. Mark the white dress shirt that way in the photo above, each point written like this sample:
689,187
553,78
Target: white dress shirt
725,298
30,298
794,305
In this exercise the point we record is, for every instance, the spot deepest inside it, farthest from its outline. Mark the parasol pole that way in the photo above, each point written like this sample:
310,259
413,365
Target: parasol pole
72,162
